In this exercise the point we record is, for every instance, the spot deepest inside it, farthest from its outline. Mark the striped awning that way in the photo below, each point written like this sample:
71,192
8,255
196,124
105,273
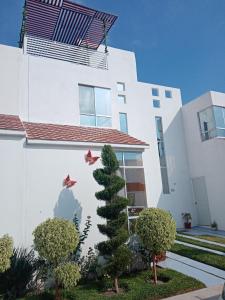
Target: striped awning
66,22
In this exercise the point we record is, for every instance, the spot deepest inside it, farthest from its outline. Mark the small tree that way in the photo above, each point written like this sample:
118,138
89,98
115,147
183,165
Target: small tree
6,251
114,250
157,231
55,239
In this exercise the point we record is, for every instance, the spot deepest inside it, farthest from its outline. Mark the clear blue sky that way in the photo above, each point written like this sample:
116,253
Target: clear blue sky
178,43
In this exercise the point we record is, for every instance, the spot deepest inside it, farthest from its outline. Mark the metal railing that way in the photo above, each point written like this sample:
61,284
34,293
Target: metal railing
74,54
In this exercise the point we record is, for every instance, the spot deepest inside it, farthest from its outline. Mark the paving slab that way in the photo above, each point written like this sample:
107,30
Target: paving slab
211,293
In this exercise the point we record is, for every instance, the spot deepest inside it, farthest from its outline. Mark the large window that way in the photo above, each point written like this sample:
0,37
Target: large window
212,122
131,169
162,155
95,106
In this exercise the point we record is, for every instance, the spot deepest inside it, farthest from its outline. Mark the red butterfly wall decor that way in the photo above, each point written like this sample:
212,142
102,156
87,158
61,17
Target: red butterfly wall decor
68,182
90,159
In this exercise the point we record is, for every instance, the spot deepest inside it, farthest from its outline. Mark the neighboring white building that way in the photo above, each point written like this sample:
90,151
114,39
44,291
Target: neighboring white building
58,100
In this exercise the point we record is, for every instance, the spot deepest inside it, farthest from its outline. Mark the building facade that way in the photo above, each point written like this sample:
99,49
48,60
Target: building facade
58,100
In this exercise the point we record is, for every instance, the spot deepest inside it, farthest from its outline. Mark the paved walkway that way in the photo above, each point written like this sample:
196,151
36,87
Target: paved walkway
201,248
201,230
201,240
210,276
212,293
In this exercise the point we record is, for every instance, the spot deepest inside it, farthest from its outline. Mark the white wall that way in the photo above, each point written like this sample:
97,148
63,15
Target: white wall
49,93
207,158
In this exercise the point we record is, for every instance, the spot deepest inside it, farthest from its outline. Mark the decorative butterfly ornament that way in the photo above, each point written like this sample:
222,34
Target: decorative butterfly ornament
90,159
68,182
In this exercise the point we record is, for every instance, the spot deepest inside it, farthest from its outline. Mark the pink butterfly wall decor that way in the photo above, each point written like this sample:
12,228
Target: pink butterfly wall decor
68,182
90,159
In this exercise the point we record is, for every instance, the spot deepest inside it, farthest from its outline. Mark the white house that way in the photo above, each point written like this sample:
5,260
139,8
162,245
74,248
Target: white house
61,95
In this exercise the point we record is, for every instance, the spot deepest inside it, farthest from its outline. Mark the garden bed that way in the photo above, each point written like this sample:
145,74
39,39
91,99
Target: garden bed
135,287
201,244
211,238
209,258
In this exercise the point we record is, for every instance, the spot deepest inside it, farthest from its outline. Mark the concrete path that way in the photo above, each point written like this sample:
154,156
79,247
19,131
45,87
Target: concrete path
201,248
200,240
200,230
212,293
210,276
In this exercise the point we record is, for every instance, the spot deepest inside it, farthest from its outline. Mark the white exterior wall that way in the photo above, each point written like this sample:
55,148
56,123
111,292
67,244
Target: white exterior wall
49,93
207,158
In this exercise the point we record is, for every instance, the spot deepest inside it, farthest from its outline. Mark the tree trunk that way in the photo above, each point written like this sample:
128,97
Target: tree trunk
154,269
116,285
57,292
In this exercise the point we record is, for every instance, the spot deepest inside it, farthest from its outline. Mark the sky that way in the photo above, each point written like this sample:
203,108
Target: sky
178,43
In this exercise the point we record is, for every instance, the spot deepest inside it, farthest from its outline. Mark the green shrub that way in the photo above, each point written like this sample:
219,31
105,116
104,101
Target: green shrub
6,251
157,231
55,240
67,274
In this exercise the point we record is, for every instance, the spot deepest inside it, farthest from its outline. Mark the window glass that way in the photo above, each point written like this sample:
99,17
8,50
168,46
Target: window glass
168,94
155,92
119,156
207,123
121,99
95,106
102,102
120,86
219,116
135,185
156,103
133,159
165,181
87,120
104,122
87,100
123,122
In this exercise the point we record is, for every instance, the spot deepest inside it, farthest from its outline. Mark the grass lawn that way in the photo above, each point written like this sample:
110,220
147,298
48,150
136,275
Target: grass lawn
136,287
215,260
202,244
216,239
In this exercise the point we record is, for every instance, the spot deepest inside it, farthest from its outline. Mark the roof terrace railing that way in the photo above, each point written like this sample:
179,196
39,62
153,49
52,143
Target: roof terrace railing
74,54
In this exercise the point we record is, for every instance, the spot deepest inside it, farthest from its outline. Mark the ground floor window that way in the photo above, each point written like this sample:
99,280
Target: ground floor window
132,170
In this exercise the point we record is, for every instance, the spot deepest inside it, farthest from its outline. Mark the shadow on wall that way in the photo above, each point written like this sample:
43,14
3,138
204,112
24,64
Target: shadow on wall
67,206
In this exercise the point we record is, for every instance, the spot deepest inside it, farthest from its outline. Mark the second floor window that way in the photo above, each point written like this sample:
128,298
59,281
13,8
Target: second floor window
95,106
123,122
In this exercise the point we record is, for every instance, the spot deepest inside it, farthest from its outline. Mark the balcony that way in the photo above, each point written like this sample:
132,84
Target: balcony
74,54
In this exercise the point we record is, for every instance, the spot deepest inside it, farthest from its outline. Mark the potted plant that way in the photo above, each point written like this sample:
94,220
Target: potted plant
214,226
187,220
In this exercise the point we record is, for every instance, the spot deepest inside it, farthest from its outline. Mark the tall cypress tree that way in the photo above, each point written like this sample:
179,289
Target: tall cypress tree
114,250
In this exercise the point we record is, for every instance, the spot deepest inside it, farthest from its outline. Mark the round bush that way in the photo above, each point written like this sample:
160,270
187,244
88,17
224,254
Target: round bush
6,251
67,275
157,229
55,239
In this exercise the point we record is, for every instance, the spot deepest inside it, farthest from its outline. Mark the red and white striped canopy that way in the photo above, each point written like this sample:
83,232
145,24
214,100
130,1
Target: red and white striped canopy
66,22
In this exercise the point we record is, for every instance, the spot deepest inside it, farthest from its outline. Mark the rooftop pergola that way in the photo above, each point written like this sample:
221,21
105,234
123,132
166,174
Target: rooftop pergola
65,22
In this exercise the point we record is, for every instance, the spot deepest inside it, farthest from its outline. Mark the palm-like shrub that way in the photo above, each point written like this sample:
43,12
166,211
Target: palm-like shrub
55,240
157,231
19,278
114,249
6,251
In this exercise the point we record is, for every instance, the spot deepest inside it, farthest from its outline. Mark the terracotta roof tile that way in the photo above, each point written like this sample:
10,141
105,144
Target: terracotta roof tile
10,122
54,132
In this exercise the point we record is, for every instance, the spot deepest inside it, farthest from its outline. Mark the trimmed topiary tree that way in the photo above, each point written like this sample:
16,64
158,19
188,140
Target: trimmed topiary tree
114,250
157,231
6,251
55,239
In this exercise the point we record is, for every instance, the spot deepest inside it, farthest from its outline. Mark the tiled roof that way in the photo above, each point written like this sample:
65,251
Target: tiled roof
10,122
53,132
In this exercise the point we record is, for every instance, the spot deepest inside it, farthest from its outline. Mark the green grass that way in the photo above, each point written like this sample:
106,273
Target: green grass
137,287
201,244
215,260
216,239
